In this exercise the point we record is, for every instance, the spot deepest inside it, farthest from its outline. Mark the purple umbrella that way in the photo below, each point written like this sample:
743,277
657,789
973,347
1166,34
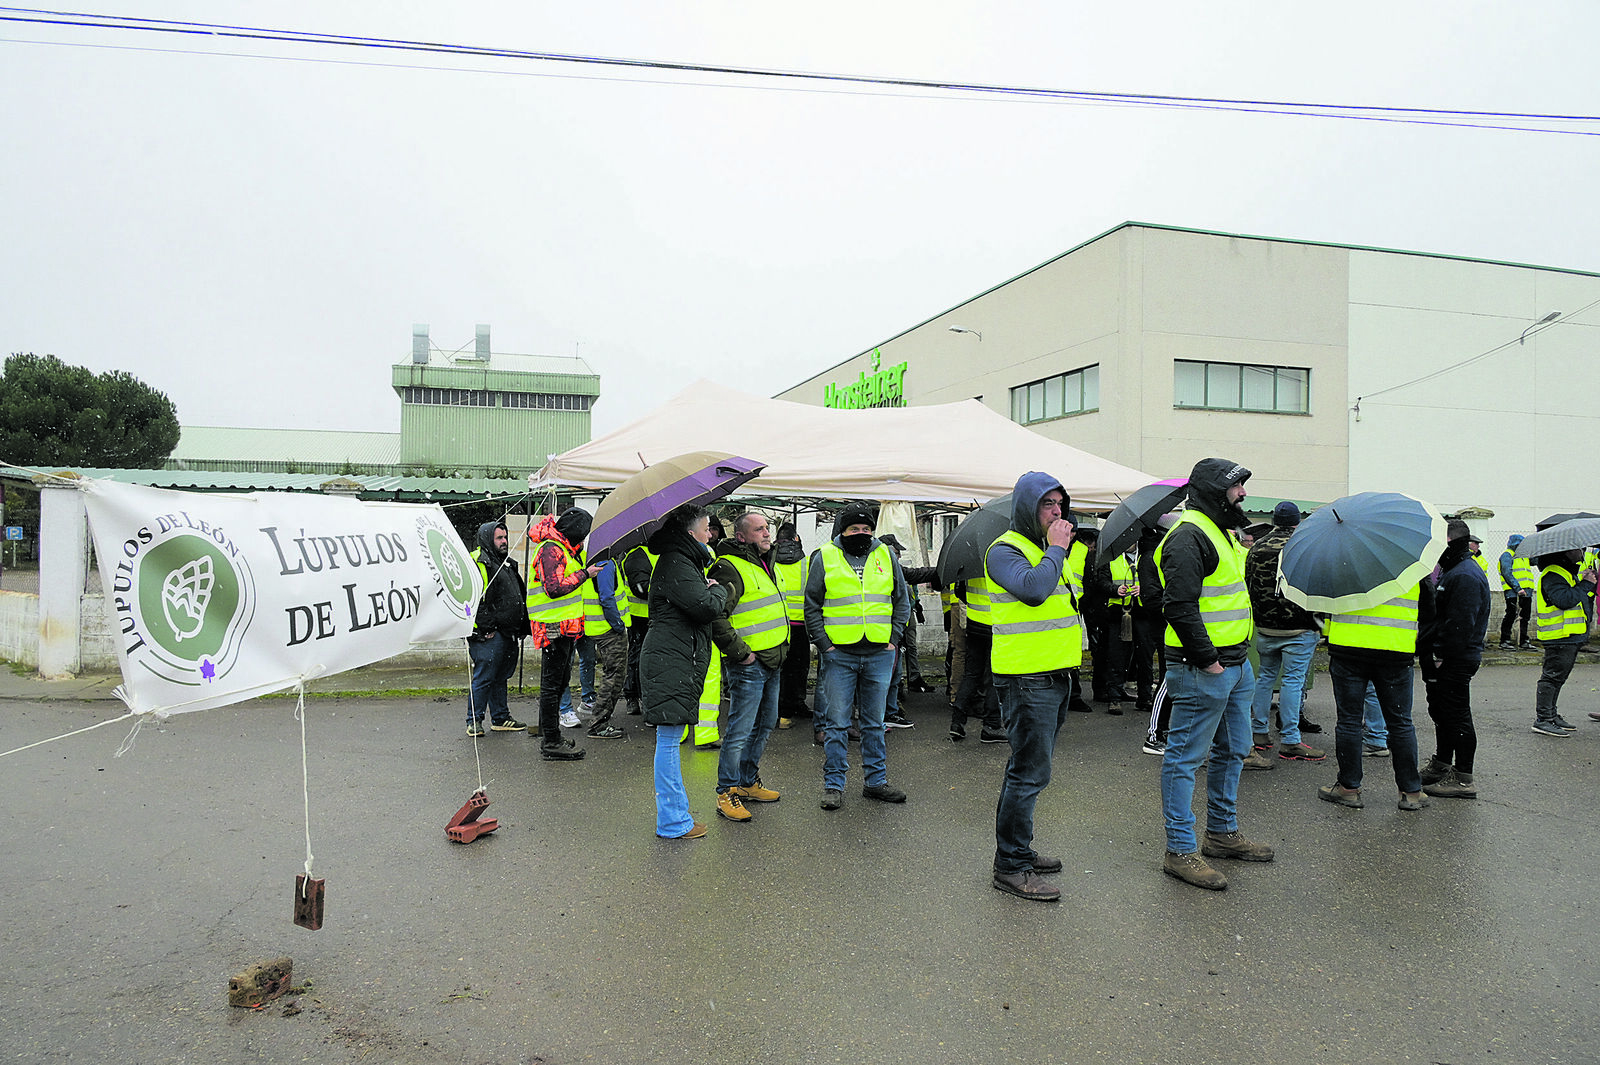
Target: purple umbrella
636,508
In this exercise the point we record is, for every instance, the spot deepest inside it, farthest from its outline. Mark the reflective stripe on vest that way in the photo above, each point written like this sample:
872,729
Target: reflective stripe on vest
1077,561
1032,639
979,593
1553,623
594,616
1390,626
759,617
542,610
791,577
1121,573
1224,603
639,608
857,607
704,730
1524,574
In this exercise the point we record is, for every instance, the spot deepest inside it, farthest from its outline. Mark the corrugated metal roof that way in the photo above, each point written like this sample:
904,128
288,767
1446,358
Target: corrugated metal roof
441,489
232,444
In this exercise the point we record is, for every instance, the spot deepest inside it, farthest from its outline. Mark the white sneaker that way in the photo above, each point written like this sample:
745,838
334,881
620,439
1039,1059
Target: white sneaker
569,720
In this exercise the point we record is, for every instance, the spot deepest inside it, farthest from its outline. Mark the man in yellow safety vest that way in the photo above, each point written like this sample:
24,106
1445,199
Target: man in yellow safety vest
1207,610
1562,606
555,613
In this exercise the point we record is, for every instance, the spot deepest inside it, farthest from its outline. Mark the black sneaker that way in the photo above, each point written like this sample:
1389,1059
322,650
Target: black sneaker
510,724
993,735
958,731
1550,728
1157,747
474,728
1310,726
565,751
1565,725
883,793
897,721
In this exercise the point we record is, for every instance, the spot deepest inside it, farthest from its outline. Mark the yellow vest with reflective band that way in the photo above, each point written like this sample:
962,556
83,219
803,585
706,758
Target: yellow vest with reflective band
639,608
1077,561
1552,622
979,593
791,578
1524,574
1483,564
594,618
1121,573
947,599
704,730
759,617
542,610
857,607
1032,639
1390,626
1224,602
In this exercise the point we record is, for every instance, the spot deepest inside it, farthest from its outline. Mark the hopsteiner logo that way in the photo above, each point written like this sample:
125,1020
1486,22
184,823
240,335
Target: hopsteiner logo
183,597
457,591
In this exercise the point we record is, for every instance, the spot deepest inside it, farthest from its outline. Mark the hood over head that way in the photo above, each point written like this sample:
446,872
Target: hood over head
1031,487
574,524
486,539
786,552
1514,539
1209,482
855,512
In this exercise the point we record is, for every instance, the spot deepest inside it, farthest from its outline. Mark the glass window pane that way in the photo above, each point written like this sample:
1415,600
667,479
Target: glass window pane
1052,398
1036,401
1293,390
1189,384
1258,390
1222,385
1091,387
1019,405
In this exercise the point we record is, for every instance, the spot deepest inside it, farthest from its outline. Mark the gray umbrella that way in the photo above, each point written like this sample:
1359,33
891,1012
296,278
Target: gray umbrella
1568,536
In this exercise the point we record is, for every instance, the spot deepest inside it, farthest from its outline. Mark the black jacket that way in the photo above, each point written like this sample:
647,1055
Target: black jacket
1188,557
1460,611
677,648
504,606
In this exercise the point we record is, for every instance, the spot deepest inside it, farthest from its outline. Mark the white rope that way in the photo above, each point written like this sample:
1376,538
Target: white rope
76,732
305,770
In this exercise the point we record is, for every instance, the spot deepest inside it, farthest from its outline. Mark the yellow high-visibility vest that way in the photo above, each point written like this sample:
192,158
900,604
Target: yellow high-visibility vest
791,577
640,607
542,610
857,607
594,616
1121,573
1224,601
1390,626
1552,622
1032,639
979,594
759,618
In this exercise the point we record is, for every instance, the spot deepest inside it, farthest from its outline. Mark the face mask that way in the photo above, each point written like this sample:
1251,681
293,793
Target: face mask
856,544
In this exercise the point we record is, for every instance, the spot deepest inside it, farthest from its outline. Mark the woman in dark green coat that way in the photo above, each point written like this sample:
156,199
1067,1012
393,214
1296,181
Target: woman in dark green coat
677,651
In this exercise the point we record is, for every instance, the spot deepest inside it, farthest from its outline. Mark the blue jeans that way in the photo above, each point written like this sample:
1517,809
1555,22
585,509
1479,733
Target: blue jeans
1210,718
494,659
1373,730
1290,655
861,682
585,674
752,715
1034,706
1392,685
672,800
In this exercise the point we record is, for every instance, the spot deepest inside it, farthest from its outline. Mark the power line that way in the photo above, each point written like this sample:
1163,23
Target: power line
1360,112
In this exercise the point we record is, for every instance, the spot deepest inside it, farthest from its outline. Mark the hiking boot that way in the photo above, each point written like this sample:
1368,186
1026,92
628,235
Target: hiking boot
1234,845
757,792
1372,750
1550,728
1435,770
562,751
1301,752
1341,796
474,728
993,735
729,806
831,799
1193,869
883,793
958,731
1414,800
694,832
1256,760
510,724
1262,741
1027,885
605,732
1453,785
1310,726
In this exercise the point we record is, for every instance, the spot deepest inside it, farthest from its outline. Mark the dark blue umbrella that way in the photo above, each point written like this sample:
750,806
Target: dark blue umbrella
1360,551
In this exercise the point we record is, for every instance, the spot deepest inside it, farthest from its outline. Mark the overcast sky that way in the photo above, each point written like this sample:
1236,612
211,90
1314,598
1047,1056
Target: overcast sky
255,232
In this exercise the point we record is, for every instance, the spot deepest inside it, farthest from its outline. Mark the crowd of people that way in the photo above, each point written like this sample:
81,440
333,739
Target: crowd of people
709,637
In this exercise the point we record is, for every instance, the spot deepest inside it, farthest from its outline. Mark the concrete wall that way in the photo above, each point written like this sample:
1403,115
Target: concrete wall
19,628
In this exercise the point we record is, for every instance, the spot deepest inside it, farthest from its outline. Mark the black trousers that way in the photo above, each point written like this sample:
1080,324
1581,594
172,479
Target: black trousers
636,630
555,673
977,696
796,667
1450,707
1516,604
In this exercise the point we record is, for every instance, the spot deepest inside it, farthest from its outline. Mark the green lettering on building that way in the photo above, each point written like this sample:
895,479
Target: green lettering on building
880,388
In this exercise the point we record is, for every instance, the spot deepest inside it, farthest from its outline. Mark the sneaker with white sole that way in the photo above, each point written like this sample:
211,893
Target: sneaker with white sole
569,719
1550,728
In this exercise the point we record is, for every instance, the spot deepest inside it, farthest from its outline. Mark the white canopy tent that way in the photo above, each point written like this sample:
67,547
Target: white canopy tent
957,453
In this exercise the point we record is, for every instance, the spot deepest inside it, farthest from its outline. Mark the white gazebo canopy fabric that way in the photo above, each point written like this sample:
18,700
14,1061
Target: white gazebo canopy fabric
959,453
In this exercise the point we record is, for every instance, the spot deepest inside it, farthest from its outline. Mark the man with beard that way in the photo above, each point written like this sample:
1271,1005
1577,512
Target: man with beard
1207,609
1451,650
500,623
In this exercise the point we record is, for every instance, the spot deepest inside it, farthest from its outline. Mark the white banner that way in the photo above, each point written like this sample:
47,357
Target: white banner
218,598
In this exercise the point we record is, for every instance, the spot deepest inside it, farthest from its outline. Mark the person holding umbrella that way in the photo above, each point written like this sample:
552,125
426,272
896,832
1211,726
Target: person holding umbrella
1562,606
1208,674
677,653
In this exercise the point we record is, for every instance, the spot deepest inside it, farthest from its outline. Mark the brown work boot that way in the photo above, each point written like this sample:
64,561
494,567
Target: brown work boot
1256,760
757,792
729,806
1234,845
1027,885
1453,785
1193,869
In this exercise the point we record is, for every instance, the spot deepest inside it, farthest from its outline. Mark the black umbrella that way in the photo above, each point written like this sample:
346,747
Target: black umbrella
1569,535
1557,519
1138,512
961,557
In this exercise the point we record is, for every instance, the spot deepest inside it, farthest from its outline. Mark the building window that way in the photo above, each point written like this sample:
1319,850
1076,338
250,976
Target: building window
469,397
1077,392
1236,386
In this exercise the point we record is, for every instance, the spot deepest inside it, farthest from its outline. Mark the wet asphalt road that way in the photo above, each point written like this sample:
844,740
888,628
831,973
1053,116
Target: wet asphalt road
134,887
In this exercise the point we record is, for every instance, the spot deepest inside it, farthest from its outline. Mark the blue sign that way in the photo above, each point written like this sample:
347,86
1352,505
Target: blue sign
13,532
